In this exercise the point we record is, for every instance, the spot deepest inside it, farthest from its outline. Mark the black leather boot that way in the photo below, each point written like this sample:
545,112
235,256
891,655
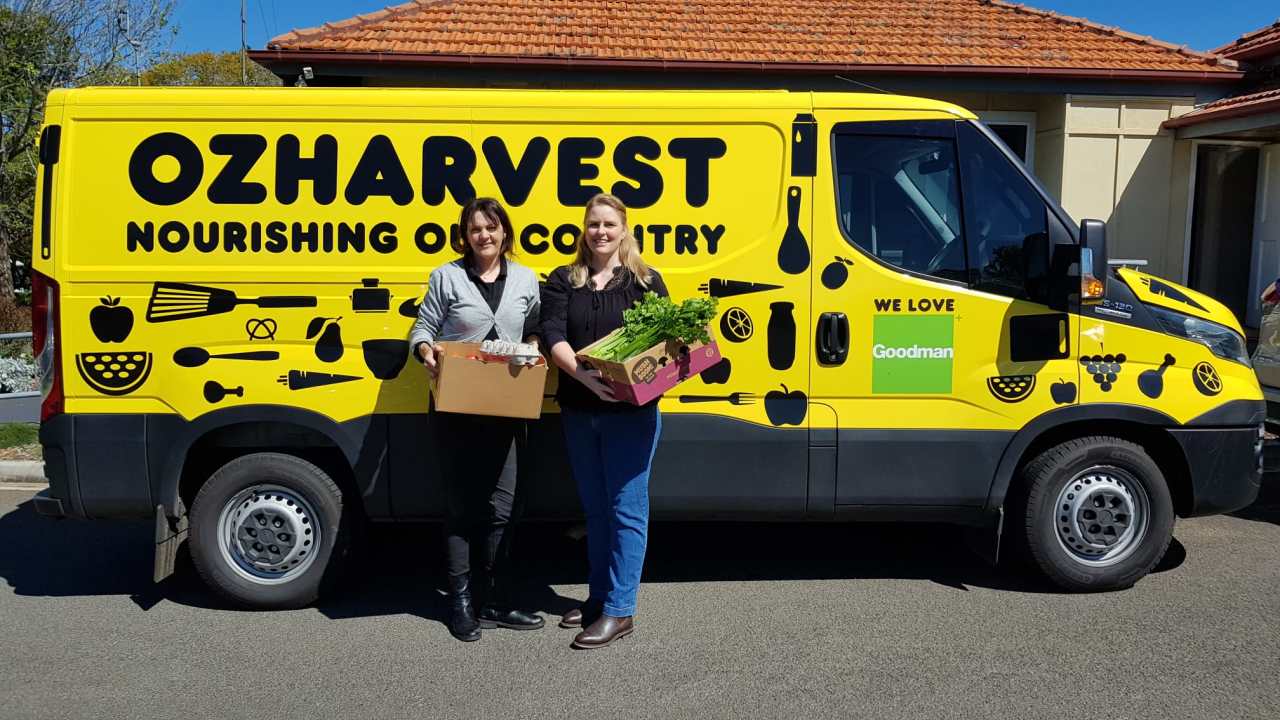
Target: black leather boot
462,621
498,612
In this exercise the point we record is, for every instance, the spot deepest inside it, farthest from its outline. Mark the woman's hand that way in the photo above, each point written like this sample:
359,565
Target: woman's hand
429,355
565,359
594,382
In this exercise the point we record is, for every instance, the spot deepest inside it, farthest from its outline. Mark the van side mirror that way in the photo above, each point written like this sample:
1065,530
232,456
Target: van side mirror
1093,261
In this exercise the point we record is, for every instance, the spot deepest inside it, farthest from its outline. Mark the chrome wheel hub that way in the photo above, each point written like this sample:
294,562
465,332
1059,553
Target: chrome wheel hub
268,534
1102,516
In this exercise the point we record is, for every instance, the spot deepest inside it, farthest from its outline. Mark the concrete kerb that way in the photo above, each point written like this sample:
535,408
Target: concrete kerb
22,471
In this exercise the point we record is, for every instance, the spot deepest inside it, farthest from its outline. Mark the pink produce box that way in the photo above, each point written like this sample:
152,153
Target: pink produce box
645,376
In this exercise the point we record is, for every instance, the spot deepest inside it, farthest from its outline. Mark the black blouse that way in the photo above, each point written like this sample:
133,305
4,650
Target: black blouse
581,316
491,292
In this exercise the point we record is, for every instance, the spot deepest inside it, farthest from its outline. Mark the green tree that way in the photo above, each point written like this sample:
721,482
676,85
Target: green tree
207,69
47,44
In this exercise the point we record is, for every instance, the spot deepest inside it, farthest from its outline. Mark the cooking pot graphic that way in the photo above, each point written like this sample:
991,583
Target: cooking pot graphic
370,297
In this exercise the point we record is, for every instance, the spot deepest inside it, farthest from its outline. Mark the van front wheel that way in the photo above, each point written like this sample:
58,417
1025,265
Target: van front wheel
264,529
1098,513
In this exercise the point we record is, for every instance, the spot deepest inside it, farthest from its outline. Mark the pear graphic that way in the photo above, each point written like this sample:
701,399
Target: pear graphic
329,344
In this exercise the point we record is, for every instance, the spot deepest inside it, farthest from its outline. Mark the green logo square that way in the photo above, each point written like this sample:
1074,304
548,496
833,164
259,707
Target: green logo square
912,354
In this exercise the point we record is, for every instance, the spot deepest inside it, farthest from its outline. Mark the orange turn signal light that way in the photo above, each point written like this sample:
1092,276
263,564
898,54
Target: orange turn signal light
1091,288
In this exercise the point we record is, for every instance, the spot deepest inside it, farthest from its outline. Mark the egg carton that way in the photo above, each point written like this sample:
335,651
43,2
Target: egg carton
515,353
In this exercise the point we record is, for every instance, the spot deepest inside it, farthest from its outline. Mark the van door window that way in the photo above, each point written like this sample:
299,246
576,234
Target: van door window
1003,213
899,200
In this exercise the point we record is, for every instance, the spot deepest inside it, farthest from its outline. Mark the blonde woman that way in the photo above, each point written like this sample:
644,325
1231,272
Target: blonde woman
610,443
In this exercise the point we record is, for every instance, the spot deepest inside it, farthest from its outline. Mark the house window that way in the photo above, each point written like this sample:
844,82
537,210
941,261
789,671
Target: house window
1017,130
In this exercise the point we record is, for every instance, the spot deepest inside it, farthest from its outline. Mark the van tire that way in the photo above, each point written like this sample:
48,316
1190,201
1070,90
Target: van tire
1097,513
289,501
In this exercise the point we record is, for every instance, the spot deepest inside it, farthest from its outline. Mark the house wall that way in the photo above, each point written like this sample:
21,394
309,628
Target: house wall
1051,138
1120,167
1266,227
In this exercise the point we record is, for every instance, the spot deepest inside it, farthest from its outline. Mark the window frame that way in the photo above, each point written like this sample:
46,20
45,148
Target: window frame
942,129
1009,117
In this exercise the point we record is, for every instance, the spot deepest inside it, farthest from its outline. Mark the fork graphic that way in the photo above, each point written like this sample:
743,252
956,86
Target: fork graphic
738,398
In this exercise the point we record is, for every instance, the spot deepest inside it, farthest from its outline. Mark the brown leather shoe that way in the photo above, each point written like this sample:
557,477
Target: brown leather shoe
588,611
603,631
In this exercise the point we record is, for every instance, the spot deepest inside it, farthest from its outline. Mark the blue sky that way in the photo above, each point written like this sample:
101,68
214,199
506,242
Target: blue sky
1199,24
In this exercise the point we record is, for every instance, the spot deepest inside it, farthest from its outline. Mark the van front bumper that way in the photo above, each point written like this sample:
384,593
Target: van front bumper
1225,466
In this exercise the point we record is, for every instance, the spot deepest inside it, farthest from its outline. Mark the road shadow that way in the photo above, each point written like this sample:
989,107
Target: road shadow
399,568
1267,507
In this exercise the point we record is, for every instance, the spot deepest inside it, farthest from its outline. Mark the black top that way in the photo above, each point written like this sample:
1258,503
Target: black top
581,316
490,291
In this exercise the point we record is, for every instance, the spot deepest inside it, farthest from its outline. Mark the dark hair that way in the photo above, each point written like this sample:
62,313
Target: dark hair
491,209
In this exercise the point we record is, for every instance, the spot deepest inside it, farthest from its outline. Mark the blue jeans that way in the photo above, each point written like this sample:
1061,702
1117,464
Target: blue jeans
610,453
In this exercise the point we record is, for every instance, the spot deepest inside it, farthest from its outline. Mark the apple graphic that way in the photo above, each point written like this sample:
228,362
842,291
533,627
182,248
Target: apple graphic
717,374
787,407
836,272
111,321
1063,392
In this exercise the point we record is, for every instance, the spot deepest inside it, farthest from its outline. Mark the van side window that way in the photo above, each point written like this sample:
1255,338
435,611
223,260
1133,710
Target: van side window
899,200
1003,212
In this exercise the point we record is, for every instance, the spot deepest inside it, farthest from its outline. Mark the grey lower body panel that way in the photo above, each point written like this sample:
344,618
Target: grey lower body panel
952,468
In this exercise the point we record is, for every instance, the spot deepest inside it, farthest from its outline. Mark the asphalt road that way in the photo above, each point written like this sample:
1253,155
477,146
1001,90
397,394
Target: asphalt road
756,621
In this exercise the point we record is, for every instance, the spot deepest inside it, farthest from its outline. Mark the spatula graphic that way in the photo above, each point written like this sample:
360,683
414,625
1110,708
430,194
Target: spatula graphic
793,253
180,301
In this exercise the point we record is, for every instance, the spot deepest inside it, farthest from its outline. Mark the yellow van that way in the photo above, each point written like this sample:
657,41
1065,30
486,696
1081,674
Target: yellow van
225,280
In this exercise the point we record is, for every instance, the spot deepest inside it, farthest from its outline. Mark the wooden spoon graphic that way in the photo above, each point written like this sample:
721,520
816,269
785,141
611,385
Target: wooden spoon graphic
197,356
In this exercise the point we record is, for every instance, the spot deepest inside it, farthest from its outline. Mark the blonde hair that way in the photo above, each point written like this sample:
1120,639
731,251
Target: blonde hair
628,248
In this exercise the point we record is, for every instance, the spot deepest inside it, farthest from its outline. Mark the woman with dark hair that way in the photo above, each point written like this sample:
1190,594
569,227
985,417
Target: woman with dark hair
611,444
484,295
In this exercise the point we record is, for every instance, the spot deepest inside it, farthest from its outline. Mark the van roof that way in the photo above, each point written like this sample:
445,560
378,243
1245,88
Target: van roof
400,97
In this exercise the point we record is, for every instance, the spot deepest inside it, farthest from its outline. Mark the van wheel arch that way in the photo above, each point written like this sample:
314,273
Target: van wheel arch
1138,425
207,447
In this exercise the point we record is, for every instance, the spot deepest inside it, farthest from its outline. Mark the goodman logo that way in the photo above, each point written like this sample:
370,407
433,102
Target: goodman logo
912,354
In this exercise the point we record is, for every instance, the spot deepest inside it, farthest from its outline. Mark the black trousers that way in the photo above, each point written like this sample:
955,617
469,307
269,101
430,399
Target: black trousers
478,465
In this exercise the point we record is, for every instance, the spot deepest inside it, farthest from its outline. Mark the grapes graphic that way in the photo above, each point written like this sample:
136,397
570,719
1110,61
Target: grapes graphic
1105,369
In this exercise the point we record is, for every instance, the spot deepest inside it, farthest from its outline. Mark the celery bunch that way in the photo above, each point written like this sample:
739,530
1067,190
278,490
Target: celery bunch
657,319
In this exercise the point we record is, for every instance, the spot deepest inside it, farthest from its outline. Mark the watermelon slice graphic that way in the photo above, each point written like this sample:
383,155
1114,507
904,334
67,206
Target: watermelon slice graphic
1011,388
114,373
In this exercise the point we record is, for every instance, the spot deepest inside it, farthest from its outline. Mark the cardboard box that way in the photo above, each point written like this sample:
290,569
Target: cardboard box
473,383
645,376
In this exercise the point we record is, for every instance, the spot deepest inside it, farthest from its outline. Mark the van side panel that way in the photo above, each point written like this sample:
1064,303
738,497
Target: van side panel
234,257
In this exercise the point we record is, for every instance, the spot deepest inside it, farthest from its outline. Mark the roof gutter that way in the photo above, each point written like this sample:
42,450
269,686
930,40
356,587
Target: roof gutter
268,58
1269,47
1227,113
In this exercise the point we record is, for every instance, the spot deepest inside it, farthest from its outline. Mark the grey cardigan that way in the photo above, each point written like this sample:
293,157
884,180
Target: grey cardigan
454,309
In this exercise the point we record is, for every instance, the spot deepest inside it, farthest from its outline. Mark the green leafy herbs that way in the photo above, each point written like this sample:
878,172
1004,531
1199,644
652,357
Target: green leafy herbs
657,319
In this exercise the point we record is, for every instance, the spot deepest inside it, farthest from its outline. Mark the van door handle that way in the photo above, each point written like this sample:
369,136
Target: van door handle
833,338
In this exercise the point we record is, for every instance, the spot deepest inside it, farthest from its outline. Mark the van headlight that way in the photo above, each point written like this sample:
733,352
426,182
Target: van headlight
1220,339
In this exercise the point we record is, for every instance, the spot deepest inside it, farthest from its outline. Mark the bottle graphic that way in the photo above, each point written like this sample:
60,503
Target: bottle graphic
782,335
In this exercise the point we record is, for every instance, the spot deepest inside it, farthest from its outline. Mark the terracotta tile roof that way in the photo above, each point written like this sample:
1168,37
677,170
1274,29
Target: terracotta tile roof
768,33
1238,106
1257,43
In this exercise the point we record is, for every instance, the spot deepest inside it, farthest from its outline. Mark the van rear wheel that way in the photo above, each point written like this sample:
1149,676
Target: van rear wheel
264,530
1098,513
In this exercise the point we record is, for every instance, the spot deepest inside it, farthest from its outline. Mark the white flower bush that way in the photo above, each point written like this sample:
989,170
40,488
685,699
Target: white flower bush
17,374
